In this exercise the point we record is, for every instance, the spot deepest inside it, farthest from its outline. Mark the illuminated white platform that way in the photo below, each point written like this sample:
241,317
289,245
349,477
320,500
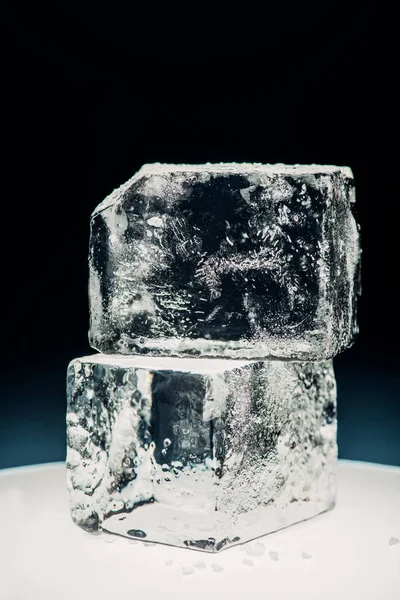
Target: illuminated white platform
352,552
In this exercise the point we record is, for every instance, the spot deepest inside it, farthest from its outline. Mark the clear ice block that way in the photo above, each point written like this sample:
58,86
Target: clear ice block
199,453
229,260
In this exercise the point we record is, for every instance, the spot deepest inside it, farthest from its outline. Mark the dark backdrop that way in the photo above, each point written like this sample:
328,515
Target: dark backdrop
94,92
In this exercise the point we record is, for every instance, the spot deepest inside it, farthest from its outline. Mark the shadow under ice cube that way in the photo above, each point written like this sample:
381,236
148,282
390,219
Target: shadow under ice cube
199,453
234,260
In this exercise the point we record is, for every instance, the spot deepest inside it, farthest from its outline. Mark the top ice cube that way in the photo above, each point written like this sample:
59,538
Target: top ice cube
229,260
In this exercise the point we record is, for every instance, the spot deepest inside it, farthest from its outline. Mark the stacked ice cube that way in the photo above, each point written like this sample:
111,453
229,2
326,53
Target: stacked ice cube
219,294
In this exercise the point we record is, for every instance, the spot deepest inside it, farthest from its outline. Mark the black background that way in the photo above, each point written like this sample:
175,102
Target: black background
92,92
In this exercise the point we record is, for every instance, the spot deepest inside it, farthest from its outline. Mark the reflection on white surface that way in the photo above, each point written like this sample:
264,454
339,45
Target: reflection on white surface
352,552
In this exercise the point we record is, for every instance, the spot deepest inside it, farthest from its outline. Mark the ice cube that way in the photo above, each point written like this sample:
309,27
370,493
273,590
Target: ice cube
199,453
234,260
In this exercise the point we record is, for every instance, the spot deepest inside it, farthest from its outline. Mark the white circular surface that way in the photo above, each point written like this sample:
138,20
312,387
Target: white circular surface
352,552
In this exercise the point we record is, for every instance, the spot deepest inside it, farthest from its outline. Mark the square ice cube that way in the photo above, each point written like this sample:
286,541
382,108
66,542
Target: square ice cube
234,260
199,453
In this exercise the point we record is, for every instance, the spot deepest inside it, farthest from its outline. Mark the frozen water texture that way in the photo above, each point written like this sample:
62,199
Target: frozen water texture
199,453
234,260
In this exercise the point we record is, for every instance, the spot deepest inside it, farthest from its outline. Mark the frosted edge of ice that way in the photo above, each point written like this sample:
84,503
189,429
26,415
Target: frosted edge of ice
266,348
116,193
244,167
167,363
231,167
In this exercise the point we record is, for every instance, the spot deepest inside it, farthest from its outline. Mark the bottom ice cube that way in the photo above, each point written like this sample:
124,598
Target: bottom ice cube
199,453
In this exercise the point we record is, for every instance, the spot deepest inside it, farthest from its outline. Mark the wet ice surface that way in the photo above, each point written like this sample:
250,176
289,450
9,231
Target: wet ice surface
243,261
212,455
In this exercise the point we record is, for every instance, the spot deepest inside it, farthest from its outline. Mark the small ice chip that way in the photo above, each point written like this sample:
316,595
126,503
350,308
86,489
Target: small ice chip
273,555
247,562
187,570
217,568
200,565
255,549
393,541
306,555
